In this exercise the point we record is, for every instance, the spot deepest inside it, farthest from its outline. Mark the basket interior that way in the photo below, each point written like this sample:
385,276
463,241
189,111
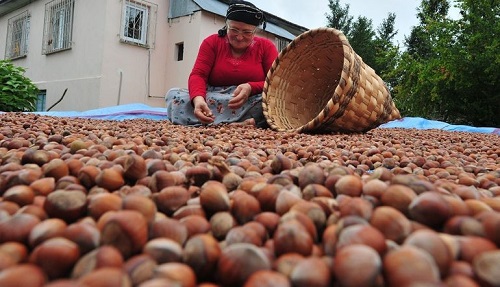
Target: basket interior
304,79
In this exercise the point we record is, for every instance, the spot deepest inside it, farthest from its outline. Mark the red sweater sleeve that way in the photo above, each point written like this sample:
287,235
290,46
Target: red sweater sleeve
215,65
198,79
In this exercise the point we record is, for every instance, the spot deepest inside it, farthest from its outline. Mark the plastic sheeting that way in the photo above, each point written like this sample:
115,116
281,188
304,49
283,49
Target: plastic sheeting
142,111
121,112
424,124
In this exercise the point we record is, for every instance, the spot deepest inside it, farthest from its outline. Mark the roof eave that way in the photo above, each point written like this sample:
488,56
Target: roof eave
7,6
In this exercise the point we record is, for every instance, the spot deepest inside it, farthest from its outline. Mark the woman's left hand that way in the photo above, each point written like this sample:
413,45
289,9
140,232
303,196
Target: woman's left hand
240,96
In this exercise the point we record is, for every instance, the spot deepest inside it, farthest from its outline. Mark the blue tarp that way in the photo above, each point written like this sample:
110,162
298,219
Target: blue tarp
121,112
425,124
138,110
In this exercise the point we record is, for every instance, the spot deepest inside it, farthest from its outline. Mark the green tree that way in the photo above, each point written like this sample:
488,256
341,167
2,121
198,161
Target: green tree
386,31
339,17
386,52
420,40
474,70
362,40
450,69
17,92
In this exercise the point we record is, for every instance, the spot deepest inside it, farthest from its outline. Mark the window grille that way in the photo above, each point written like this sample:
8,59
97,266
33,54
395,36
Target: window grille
17,36
40,102
282,43
138,23
58,26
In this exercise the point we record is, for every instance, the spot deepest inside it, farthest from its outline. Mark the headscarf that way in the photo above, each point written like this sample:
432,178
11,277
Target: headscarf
244,11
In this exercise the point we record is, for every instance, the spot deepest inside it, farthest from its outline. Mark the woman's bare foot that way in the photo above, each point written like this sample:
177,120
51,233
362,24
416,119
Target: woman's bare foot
247,122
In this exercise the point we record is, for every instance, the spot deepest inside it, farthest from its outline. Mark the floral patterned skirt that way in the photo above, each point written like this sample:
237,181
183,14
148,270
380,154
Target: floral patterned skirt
180,109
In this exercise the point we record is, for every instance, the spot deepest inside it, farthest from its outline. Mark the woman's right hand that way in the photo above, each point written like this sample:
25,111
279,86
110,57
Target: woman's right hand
202,111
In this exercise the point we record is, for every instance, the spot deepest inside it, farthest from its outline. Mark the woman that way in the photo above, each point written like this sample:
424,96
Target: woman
227,79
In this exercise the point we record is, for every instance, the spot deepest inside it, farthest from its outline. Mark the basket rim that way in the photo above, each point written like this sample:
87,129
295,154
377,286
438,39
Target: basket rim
329,106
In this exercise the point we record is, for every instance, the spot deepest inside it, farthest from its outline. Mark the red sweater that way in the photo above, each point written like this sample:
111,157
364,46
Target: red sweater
216,66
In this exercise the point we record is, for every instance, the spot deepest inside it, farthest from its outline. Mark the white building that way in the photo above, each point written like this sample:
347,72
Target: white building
112,52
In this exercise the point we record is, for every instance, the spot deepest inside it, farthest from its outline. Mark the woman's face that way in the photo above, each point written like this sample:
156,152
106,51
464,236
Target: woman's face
240,34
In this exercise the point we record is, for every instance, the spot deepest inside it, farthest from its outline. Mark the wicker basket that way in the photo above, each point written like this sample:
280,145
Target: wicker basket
318,84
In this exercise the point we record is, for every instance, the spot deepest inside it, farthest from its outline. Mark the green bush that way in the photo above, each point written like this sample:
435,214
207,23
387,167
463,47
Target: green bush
17,92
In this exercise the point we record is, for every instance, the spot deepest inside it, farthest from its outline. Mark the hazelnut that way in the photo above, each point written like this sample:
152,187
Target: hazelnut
87,175
431,242
84,234
430,208
134,167
177,273
485,267
68,205
56,256
350,185
55,168
195,224
125,229
245,207
221,223
98,204
410,265
104,256
43,186
140,268
17,228
201,253
142,204
110,179
106,277
311,174
17,252
391,222
163,250
350,259
313,211
214,197
169,228
240,234
238,262
170,199
292,236
267,278
20,194
285,263
49,228
398,196
311,271
362,234
17,276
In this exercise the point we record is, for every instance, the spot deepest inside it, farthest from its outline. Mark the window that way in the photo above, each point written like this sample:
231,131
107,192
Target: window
179,50
40,102
58,26
17,36
138,23
282,43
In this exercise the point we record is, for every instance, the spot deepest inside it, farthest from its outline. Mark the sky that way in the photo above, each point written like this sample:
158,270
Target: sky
311,13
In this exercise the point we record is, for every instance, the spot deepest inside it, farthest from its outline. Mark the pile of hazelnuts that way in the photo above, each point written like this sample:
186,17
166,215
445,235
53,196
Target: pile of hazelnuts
88,202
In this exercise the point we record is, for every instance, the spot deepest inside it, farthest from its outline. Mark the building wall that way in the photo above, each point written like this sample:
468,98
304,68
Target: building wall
132,73
190,30
78,69
98,70
101,71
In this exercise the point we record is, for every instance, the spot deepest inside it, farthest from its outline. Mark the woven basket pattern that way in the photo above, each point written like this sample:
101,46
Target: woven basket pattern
318,84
